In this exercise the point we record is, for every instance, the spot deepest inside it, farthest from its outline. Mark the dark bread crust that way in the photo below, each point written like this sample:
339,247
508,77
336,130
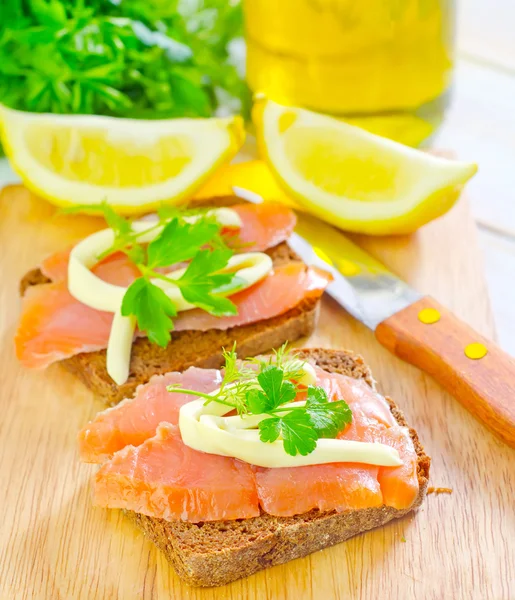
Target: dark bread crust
190,348
33,277
216,553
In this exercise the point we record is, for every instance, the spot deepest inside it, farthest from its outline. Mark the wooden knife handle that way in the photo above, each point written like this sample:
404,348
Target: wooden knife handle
473,369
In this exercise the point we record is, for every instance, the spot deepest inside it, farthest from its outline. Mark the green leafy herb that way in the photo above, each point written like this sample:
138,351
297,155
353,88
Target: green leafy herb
328,418
300,427
123,233
267,387
180,241
202,281
129,58
238,379
298,434
275,390
178,238
292,367
152,308
235,370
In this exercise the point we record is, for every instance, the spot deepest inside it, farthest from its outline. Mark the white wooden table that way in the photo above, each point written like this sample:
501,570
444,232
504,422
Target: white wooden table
480,126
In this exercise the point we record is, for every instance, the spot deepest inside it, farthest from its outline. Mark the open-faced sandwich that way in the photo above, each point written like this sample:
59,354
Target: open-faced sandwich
217,273
229,472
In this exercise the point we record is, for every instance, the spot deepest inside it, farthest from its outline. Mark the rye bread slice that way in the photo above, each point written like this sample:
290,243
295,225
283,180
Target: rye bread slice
216,553
190,348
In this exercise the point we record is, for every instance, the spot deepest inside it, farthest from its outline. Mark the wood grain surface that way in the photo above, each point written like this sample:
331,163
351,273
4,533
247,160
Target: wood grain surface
55,545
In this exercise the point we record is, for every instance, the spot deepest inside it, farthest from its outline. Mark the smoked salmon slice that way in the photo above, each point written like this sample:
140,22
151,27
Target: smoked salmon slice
372,421
291,491
164,478
283,289
281,492
55,266
136,419
263,226
399,484
54,325
358,394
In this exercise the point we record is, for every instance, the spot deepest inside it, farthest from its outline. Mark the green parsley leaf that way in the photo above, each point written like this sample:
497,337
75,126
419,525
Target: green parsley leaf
215,305
270,429
152,308
295,428
123,234
120,226
328,418
236,284
199,282
257,401
276,391
180,241
176,241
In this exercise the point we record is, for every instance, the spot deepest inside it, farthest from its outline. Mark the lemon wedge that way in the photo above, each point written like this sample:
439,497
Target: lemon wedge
352,178
133,164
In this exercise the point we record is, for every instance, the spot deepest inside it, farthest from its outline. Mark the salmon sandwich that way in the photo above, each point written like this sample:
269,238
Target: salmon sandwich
231,471
168,292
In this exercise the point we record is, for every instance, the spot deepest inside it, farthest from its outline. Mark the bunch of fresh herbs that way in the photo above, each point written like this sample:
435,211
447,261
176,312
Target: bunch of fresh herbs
128,58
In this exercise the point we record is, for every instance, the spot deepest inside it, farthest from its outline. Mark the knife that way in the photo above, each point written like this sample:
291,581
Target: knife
414,327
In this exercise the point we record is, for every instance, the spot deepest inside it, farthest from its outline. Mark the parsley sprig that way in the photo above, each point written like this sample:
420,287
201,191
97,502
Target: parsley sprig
179,239
260,387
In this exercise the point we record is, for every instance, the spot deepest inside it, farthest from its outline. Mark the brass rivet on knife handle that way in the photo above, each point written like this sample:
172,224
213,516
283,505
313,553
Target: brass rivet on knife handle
429,316
475,351
485,387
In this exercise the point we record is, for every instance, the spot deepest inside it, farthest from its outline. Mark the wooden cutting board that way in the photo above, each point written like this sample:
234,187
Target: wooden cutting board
55,545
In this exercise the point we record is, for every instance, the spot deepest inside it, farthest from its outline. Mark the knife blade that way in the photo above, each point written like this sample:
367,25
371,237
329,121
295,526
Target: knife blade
414,327
361,284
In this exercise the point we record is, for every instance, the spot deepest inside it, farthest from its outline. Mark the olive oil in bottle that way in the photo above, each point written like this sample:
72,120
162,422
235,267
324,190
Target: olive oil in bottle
385,65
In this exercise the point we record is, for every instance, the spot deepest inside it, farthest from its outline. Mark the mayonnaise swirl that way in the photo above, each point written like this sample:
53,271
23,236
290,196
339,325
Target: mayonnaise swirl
89,289
205,428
